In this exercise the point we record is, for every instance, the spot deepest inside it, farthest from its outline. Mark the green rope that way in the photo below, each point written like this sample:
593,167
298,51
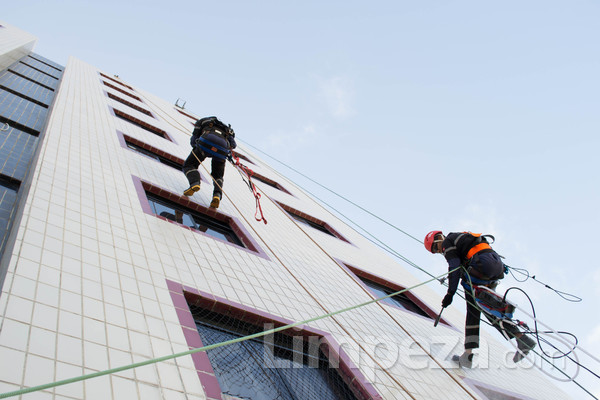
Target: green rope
204,348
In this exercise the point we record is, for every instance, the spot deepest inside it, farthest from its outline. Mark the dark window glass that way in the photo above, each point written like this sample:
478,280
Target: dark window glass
133,96
8,197
46,61
21,111
241,156
16,151
400,300
193,219
186,114
42,70
34,75
494,395
310,223
116,81
255,370
129,104
141,124
267,181
27,88
153,156
142,151
42,66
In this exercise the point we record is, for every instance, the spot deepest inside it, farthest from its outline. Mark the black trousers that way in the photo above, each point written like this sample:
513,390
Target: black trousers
190,169
473,319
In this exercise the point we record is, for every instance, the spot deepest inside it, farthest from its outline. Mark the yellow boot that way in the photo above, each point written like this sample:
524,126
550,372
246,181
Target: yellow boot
215,201
192,189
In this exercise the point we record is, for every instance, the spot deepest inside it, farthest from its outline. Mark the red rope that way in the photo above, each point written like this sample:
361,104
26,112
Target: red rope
255,192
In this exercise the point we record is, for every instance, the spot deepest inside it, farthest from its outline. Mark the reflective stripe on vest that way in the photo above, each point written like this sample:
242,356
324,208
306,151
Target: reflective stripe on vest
476,249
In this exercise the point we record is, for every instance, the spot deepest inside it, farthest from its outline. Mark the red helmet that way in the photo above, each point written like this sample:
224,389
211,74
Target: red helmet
428,242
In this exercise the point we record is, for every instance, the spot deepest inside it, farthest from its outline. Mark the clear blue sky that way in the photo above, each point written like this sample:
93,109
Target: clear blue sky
458,115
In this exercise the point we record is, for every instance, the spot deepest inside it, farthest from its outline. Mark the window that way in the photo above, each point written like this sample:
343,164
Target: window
308,365
241,156
8,199
23,95
150,151
141,124
494,395
248,370
181,210
400,300
34,75
16,152
116,81
269,182
312,222
9,182
30,79
489,392
46,71
381,287
195,220
46,62
186,114
129,104
20,112
121,90
14,124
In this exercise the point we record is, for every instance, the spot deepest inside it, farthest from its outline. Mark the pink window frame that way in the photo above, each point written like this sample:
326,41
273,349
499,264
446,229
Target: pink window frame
250,244
184,296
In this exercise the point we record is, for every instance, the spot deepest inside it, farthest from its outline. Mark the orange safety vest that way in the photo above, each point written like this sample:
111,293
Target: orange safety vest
478,247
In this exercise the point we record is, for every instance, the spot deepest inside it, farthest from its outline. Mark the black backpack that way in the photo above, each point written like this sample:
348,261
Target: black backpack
204,123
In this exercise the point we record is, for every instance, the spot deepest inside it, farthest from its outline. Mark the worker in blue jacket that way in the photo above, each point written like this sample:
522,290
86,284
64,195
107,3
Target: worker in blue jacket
211,138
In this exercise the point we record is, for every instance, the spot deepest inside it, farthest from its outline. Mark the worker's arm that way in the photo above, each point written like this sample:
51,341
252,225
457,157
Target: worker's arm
453,279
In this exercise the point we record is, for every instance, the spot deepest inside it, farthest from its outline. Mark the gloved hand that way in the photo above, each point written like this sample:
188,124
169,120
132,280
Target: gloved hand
447,300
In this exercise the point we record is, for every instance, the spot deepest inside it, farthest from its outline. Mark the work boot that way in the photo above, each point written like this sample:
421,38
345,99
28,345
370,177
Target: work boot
524,345
193,177
216,200
194,187
465,360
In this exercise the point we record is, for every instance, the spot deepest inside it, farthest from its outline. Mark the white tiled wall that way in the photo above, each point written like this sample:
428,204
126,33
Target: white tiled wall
14,44
86,290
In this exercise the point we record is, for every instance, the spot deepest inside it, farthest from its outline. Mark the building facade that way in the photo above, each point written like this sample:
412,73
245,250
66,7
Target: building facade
105,263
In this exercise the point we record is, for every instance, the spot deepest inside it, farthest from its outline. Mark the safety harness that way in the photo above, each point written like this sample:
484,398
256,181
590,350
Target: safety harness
482,243
207,127
212,149
481,287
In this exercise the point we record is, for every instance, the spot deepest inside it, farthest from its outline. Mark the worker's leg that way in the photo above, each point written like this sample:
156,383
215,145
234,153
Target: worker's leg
471,322
190,169
217,170
471,333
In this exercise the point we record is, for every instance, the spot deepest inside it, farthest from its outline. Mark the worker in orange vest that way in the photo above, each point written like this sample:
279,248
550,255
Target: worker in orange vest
481,265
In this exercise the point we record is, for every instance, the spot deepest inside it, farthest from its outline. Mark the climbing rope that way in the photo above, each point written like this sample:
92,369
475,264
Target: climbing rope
392,377
567,296
387,248
249,173
197,350
255,192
